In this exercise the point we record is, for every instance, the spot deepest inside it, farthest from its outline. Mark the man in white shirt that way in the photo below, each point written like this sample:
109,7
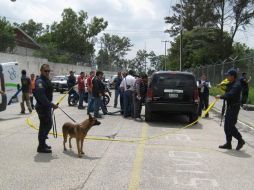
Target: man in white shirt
127,85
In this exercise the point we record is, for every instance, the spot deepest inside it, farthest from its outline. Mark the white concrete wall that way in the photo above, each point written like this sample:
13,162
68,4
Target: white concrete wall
23,51
33,64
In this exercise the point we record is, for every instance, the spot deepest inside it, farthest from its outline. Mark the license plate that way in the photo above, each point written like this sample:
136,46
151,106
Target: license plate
173,91
173,95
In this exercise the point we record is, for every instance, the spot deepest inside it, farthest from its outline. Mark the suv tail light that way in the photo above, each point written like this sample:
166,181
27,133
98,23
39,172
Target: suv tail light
196,96
149,94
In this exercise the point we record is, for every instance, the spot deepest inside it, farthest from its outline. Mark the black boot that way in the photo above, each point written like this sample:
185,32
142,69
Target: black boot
240,144
47,146
226,146
42,147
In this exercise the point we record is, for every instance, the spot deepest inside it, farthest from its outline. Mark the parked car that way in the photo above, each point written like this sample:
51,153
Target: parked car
60,83
172,92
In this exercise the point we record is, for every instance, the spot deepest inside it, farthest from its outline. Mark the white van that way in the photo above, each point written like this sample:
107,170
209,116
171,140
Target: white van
9,80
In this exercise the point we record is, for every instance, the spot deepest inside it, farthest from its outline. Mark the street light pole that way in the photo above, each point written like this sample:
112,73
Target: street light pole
181,33
165,42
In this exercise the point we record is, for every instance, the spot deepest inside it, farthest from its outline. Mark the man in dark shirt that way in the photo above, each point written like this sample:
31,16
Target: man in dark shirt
97,91
71,81
232,97
43,94
25,88
117,81
245,88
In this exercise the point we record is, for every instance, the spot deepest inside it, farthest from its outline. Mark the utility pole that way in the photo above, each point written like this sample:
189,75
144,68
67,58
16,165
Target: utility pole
181,34
165,42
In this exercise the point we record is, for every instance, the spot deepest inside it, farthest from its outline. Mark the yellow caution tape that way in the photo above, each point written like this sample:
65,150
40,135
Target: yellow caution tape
32,125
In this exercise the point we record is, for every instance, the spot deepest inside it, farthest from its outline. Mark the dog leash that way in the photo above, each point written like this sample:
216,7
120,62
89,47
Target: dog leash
67,114
54,125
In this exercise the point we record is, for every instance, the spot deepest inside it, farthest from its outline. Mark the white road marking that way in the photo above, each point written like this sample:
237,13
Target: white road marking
193,182
184,154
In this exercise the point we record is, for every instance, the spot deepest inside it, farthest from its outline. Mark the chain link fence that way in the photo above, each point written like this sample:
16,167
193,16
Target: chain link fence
216,73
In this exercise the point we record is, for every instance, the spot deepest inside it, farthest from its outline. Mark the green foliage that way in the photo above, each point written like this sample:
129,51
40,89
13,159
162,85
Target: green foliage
215,91
251,96
194,13
72,39
199,47
114,50
32,28
7,39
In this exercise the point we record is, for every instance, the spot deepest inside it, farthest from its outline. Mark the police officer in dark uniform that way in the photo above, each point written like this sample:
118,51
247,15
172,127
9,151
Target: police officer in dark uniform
245,88
232,97
43,94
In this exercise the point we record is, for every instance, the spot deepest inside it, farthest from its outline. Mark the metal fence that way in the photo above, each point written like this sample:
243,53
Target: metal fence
216,73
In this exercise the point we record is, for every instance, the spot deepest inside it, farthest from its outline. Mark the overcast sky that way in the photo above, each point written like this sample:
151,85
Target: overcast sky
140,20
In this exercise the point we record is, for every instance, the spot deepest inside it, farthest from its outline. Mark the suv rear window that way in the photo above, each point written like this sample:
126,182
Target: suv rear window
173,80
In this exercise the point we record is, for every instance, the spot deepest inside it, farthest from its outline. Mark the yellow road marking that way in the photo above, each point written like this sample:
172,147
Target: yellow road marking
138,161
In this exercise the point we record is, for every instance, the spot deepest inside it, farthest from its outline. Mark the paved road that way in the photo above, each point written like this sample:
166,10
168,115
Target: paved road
183,159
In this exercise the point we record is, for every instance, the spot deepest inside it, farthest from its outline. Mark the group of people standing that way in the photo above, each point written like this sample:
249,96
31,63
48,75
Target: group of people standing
132,91
27,89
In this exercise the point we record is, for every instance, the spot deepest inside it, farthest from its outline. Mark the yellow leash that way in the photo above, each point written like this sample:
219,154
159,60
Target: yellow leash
32,125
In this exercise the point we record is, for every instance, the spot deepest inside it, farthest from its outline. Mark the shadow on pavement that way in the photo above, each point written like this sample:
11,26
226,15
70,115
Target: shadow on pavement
236,153
44,157
74,154
172,121
6,119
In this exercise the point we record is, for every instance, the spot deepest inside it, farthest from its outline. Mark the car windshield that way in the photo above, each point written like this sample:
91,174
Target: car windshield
174,80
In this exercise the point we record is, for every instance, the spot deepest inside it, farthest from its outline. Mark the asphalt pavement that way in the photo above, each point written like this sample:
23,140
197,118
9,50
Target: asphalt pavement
177,159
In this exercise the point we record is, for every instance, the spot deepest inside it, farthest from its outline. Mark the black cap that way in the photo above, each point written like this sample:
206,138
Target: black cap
231,72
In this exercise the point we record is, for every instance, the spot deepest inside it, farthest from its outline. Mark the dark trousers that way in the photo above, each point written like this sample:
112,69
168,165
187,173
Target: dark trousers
121,101
90,107
230,122
45,117
98,103
137,106
117,93
32,101
81,98
244,97
128,104
204,102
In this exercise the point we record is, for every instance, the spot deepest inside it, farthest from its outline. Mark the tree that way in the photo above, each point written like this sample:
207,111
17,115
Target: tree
241,12
200,47
114,50
145,61
7,39
157,62
195,13
33,29
73,37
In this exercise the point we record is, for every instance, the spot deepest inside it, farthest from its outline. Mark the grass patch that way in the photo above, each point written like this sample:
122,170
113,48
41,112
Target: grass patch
217,91
251,96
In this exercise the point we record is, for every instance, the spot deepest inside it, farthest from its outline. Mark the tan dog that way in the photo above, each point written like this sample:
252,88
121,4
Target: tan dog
78,131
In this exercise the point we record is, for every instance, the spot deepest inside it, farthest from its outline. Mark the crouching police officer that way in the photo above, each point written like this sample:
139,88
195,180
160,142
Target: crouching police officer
43,94
232,97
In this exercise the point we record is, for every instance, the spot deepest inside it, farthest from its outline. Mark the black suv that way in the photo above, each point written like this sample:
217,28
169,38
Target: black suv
172,92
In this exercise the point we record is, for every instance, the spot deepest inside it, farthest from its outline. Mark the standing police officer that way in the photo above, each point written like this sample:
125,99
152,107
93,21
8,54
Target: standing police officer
232,97
43,94
203,89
